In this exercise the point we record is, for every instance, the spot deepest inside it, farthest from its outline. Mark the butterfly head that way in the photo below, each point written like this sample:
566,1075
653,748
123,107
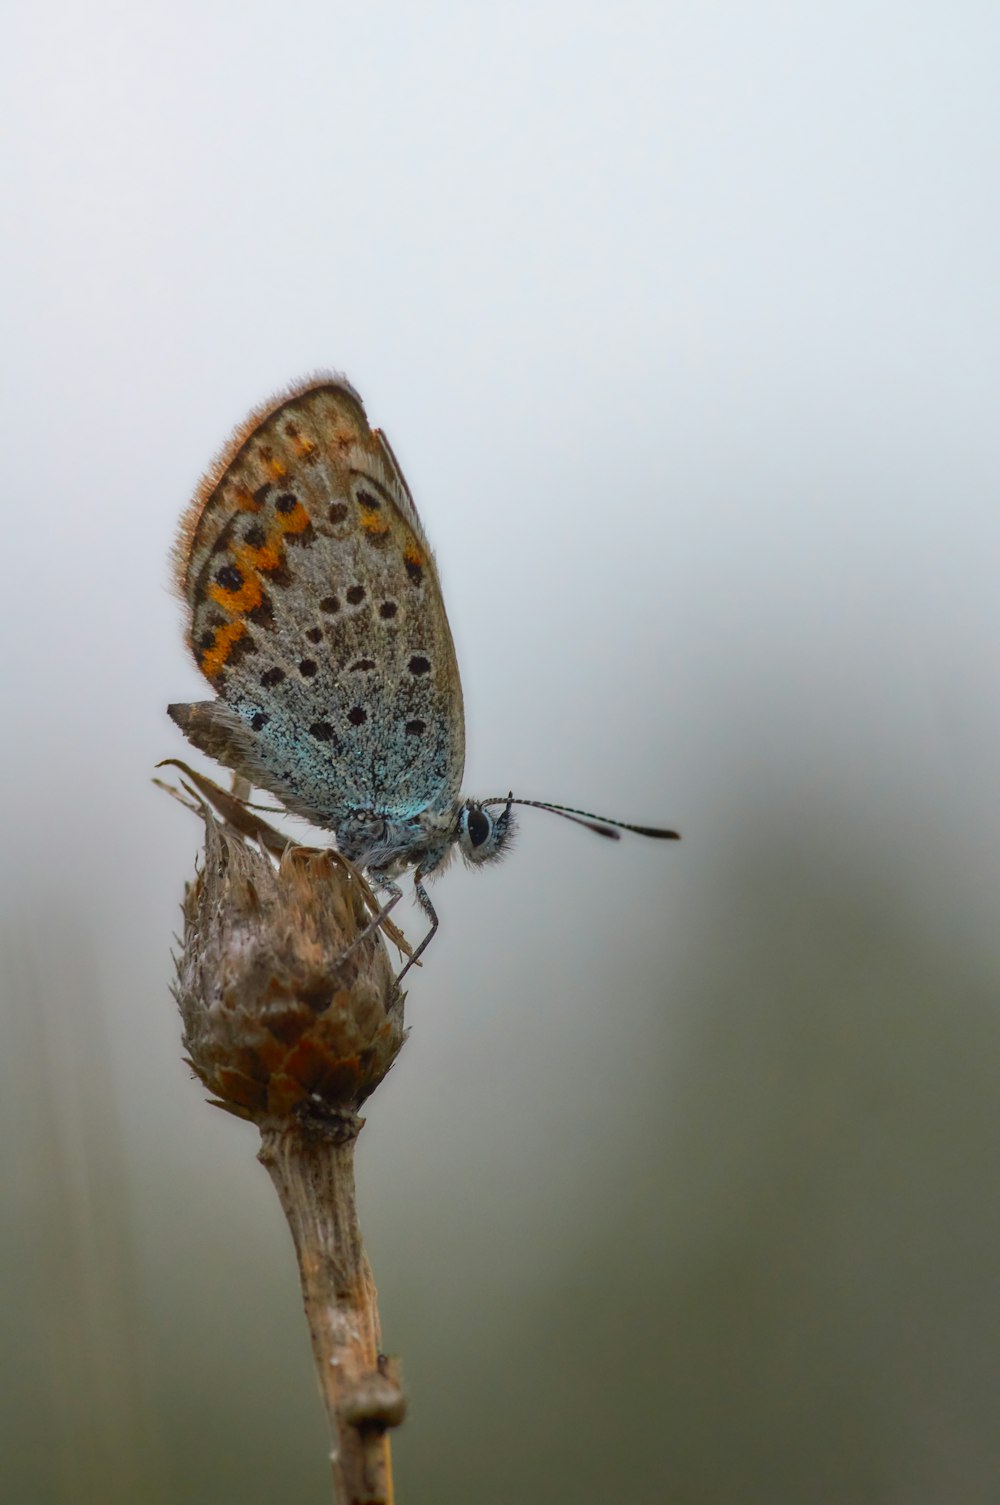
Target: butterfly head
482,836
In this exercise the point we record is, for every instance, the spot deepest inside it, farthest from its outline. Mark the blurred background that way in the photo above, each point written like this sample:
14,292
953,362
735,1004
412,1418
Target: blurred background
683,321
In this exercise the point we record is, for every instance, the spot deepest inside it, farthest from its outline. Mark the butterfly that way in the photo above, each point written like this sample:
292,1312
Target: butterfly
315,612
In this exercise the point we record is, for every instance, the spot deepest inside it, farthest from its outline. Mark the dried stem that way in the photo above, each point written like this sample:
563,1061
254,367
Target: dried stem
292,1017
312,1168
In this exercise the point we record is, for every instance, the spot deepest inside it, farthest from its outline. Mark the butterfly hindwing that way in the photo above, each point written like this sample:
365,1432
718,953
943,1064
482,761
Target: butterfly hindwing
316,614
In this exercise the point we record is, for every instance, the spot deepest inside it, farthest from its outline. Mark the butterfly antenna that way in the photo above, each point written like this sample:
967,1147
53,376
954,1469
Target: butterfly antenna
602,824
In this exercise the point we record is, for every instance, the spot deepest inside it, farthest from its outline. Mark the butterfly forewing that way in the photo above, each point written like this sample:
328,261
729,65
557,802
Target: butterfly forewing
316,614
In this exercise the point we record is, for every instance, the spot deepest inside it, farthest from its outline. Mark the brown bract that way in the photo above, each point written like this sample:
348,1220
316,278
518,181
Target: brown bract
292,1017
288,1007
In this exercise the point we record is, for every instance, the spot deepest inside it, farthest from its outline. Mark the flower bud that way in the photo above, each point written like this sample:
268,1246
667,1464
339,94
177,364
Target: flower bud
285,1010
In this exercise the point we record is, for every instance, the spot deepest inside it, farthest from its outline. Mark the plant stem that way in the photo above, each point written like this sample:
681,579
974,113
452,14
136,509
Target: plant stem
312,1166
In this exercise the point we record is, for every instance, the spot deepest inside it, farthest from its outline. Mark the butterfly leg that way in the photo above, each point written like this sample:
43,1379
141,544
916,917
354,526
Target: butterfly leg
384,886
424,900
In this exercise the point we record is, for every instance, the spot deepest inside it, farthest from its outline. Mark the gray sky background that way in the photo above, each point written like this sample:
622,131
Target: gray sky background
683,322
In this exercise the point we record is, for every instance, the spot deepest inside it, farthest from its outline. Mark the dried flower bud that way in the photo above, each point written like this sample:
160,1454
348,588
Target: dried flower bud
282,1011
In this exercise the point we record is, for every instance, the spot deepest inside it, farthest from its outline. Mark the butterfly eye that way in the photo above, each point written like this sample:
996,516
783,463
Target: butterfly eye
482,836
478,825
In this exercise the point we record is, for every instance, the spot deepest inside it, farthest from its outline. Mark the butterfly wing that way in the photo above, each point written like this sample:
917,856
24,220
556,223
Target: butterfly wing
316,614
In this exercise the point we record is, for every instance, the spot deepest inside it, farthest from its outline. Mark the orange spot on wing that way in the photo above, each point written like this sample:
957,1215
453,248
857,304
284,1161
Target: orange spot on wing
214,658
270,556
296,521
374,523
245,599
275,468
413,555
304,448
245,500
